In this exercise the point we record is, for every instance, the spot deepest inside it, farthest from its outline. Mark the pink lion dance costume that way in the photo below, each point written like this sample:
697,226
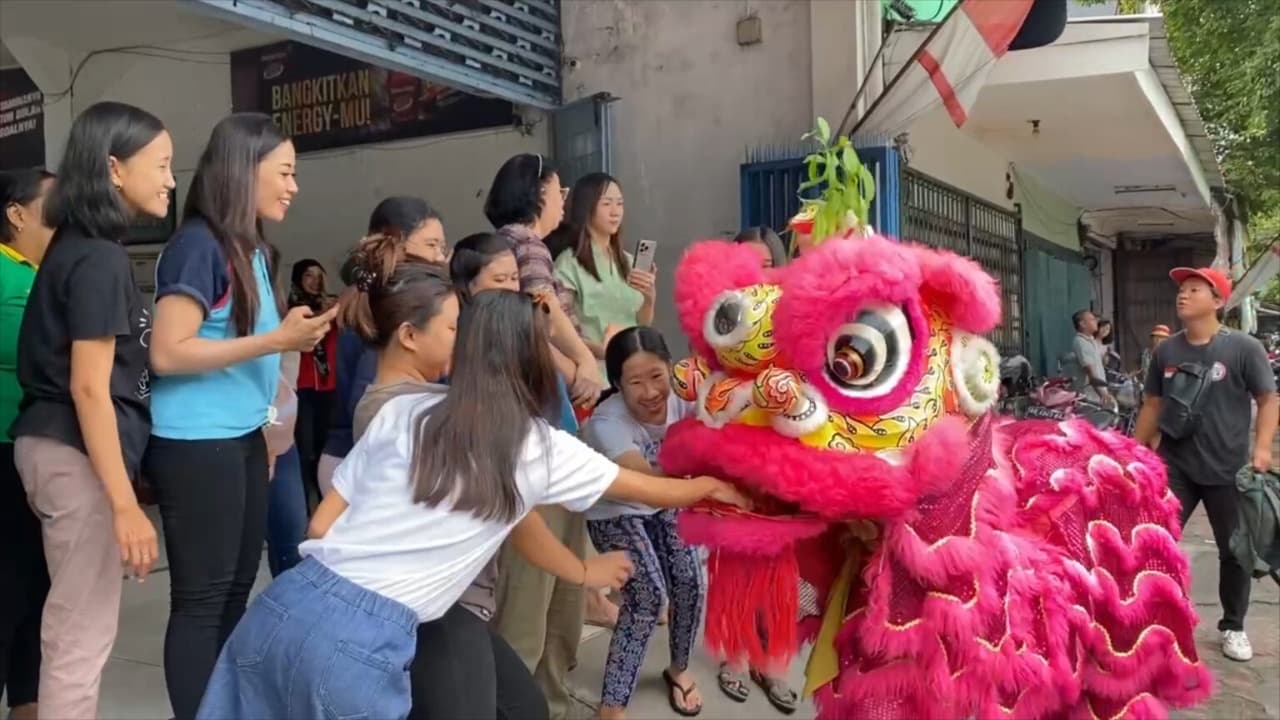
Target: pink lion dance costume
943,562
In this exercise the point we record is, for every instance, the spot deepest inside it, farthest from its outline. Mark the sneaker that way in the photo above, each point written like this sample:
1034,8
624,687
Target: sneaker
1235,645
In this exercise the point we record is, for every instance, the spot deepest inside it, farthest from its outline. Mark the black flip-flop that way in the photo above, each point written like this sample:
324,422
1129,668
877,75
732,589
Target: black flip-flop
672,685
780,696
731,686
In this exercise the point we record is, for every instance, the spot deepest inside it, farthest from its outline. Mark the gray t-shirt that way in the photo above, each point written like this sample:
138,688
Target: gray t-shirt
1088,365
375,396
613,432
481,597
1239,371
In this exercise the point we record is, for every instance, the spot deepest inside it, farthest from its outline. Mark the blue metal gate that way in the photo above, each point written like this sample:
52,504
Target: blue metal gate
768,186
908,204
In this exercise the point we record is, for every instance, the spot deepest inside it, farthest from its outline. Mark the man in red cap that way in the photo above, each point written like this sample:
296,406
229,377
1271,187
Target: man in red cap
1198,389
1159,334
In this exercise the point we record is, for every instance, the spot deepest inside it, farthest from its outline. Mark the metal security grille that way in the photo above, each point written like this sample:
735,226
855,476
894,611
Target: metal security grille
509,49
941,216
768,184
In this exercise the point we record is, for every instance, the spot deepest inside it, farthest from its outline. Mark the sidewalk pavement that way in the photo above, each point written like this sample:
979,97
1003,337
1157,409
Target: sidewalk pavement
133,687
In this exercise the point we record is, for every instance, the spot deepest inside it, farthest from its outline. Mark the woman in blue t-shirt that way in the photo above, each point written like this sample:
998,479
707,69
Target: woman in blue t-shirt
215,349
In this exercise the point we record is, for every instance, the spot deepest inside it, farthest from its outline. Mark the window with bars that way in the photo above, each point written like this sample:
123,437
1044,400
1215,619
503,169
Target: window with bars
941,216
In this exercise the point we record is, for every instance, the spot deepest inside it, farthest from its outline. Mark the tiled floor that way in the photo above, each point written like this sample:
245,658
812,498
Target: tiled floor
133,686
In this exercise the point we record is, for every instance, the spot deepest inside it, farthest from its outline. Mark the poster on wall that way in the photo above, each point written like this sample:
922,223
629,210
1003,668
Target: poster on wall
325,100
21,121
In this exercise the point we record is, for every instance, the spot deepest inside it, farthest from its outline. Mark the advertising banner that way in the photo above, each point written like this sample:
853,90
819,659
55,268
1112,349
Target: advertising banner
21,121
325,100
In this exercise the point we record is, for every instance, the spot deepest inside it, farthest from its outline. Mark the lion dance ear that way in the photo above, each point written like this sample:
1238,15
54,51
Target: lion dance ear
709,268
960,288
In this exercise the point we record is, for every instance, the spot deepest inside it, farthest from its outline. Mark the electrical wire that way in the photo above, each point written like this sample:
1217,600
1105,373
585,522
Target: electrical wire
153,51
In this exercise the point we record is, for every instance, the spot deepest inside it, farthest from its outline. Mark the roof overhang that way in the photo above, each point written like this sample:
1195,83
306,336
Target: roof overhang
1102,119
483,47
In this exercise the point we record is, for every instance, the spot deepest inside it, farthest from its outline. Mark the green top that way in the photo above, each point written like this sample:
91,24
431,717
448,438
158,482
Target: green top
599,303
17,274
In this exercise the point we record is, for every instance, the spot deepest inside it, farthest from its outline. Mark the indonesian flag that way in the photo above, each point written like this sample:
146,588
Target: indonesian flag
950,67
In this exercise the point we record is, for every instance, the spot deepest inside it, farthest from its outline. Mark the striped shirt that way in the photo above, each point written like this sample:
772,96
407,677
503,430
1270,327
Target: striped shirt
536,267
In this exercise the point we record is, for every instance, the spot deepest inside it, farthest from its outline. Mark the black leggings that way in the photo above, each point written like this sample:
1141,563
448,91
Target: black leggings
463,670
24,578
213,502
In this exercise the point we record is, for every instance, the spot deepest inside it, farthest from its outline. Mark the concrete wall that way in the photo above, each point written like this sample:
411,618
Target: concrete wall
939,149
691,102
338,188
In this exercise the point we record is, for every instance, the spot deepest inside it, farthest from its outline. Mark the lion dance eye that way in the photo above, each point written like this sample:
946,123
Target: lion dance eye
867,357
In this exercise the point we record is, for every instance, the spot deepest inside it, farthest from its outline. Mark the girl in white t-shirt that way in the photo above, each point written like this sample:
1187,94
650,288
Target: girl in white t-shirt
628,428
418,507
408,311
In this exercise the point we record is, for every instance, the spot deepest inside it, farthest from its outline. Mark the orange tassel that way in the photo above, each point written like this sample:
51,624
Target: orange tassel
752,609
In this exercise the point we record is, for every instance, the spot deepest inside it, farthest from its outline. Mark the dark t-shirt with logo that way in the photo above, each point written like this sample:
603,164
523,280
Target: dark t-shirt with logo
1239,371
84,290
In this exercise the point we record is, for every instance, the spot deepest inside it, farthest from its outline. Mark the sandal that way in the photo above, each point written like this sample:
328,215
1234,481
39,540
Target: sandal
672,687
732,685
780,695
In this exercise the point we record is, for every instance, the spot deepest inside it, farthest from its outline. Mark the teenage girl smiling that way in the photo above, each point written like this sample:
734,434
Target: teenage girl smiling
215,348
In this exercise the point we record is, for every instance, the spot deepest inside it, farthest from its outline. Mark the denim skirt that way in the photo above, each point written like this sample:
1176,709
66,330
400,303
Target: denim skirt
315,645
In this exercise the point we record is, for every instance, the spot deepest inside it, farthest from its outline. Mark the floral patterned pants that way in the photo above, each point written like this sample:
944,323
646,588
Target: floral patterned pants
664,569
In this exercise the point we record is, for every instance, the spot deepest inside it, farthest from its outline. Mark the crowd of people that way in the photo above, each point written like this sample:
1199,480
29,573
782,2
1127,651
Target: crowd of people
1202,389
449,463
452,464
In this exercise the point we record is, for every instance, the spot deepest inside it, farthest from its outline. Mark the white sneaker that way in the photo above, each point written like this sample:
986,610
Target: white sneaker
1235,645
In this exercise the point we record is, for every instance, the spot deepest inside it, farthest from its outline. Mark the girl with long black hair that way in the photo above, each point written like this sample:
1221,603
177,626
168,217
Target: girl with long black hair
216,352
408,526
608,293
409,312
85,416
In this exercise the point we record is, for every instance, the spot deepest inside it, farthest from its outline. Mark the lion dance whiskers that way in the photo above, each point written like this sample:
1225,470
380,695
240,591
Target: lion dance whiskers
941,562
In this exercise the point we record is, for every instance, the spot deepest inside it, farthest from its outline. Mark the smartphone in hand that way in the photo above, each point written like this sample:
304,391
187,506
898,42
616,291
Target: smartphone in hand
645,252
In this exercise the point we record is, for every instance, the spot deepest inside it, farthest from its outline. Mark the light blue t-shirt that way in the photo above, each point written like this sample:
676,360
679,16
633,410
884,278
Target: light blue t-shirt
235,400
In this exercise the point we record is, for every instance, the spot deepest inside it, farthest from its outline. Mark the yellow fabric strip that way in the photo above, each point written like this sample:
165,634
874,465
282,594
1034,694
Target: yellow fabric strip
824,664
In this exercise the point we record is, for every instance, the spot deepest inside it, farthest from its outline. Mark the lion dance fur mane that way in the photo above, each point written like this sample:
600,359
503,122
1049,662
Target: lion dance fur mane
942,561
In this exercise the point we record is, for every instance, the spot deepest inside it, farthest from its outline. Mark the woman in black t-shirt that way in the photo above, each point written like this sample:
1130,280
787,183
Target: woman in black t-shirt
85,416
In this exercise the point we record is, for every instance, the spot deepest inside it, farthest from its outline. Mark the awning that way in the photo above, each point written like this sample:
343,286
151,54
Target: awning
508,50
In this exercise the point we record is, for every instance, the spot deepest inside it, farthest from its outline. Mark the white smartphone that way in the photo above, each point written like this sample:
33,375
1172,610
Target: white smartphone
645,251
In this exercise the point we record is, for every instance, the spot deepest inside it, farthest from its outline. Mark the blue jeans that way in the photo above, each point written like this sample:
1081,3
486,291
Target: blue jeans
315,645
286,513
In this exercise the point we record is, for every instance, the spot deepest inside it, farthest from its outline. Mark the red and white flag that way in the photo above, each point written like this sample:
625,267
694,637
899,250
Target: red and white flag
950,67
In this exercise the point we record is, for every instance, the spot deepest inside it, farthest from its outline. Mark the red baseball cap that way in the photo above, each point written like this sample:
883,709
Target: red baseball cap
1217,279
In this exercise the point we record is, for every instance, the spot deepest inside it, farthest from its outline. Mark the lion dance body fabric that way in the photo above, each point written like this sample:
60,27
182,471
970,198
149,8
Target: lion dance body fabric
942,561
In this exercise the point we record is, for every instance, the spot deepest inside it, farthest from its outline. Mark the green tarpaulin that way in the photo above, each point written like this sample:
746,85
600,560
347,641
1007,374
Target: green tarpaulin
1057,284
